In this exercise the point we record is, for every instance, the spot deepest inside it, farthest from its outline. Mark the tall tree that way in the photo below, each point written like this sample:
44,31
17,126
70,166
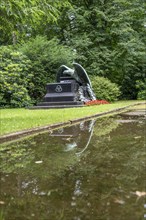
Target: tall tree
109,37
19,18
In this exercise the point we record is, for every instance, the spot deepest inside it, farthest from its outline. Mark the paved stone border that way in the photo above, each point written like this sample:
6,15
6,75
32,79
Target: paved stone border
20,134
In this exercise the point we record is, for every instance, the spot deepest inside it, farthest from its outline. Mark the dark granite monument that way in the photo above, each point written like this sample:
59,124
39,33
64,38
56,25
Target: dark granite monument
71,89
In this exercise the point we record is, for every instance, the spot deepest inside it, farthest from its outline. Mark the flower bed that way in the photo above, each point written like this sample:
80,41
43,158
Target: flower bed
96,102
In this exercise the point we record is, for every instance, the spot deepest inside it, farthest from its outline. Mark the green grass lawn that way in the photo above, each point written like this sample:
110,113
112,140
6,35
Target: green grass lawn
13,120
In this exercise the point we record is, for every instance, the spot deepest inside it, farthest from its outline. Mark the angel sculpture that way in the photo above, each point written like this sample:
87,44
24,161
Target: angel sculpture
85,91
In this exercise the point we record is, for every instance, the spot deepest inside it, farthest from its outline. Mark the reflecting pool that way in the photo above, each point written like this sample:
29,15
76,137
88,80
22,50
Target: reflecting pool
93,170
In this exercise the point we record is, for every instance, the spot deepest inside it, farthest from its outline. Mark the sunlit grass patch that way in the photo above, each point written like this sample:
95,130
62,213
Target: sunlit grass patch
142,107
13,120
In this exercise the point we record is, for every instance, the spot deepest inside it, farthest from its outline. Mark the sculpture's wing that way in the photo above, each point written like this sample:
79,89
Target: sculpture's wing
81,72
60,72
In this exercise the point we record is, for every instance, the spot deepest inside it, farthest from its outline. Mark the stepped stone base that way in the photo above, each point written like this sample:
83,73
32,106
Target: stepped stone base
56,106
59,103
49,105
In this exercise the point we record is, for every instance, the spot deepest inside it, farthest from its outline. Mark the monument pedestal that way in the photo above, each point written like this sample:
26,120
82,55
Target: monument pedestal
63,94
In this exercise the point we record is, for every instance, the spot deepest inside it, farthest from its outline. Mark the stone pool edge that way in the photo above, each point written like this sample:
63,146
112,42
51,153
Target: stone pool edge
23,133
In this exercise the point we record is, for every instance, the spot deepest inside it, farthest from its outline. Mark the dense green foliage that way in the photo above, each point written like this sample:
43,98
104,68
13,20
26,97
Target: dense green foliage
25,71
46,57
20,19
15,80
104,89
109,37
141,86
106,37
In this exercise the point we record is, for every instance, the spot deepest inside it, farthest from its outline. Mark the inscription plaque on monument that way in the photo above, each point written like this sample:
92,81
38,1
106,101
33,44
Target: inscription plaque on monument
71,89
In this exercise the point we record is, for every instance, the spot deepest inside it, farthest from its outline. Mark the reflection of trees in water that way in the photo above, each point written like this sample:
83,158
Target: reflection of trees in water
16,155
56,151
90,186
114,171
104,183
105,126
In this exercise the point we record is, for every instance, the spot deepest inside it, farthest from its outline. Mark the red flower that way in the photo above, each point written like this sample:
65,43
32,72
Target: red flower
96,102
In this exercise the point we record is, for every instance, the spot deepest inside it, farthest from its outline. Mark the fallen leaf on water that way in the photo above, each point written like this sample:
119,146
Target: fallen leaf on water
2,202
138,193
137,137
119,201
39,161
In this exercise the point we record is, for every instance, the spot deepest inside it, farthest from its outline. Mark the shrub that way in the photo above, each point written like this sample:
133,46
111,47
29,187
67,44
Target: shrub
104,89
141,86
15,78
27,69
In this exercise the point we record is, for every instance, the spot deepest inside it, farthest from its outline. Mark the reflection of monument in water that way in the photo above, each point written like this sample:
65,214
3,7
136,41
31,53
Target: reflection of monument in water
76,137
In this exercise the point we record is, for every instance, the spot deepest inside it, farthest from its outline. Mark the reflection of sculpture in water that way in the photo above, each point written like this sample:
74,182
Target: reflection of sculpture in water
76,137
85,91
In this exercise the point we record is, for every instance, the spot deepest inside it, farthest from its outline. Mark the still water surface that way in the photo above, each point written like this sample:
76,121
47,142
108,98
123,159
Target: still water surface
93,170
